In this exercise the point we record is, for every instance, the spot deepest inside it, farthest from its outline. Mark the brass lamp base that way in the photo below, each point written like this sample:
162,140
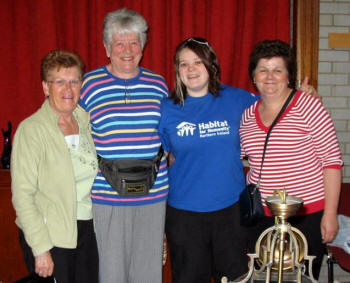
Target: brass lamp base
261,278
281,251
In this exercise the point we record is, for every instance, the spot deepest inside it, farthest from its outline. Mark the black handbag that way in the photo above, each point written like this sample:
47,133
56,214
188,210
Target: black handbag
250,204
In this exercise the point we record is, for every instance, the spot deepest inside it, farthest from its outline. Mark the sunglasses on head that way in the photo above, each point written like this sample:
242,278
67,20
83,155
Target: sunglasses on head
198,40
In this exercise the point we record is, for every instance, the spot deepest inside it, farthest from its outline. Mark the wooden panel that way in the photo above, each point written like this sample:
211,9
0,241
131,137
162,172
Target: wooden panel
12,265
306,33
339,40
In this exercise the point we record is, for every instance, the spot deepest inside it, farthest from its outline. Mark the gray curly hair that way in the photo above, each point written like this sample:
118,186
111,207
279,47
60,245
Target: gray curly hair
124,21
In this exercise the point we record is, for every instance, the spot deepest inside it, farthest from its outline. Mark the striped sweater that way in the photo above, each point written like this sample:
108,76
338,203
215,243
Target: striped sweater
124,115
301,145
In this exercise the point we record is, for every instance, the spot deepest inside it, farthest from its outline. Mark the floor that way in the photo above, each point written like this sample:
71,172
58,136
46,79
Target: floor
339,274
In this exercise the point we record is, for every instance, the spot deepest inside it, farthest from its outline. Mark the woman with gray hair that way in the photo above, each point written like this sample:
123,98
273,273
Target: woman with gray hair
131,187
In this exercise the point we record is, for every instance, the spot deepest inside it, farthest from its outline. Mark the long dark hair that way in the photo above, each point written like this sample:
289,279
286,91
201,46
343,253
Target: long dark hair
206,53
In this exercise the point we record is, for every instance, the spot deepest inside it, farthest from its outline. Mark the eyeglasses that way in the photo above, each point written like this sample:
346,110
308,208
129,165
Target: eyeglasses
61,83
198,40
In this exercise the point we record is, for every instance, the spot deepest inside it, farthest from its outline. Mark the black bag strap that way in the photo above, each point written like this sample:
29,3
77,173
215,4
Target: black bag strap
156,160
270,129
158,157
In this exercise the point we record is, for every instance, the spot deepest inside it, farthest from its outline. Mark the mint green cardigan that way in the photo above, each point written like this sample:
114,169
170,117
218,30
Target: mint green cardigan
43,185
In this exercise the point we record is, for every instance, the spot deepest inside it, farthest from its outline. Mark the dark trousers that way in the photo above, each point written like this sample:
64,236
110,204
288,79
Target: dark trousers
309,225
205,245
79,265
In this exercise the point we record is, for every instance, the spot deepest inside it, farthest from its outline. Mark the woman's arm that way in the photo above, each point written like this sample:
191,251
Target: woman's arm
25,169
329,223
328,152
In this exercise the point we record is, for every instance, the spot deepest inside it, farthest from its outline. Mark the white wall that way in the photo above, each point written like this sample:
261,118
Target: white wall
334,87
333,74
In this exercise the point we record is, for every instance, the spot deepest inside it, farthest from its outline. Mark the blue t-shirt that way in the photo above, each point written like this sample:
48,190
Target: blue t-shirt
203,136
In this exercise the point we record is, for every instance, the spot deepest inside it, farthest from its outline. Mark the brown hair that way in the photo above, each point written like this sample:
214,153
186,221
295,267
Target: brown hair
206,53
58,59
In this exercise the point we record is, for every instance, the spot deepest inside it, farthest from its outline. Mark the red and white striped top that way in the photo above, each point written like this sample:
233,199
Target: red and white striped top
301,144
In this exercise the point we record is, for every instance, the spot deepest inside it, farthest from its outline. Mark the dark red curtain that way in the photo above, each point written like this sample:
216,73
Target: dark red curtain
31,28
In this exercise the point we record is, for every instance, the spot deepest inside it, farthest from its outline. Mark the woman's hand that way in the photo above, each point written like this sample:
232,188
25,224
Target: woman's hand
44,264
329,227
165,251
171,159
308,89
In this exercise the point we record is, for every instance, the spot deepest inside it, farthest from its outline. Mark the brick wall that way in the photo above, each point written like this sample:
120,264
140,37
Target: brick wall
334,73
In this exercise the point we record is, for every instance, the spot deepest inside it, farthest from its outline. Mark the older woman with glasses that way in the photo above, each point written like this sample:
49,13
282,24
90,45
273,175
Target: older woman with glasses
123,100
52,168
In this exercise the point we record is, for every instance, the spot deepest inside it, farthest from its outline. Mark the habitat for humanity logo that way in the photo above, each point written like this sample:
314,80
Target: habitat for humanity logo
213,128
185,129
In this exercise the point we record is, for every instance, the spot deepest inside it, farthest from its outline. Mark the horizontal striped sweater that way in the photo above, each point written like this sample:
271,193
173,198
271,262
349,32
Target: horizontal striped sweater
300,146
124,115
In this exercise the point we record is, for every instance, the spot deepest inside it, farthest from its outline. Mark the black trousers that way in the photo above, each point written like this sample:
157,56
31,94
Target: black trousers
309,225
205,245
79,265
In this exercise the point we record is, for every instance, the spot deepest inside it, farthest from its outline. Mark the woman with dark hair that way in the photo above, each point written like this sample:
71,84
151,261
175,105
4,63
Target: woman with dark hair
209,60
199,126
302,155
53,166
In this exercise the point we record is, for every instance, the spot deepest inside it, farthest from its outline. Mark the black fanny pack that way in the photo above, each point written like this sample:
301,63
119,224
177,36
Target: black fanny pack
131,177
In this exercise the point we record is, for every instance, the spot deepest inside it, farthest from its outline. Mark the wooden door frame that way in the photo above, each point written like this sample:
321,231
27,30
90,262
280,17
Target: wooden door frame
306,33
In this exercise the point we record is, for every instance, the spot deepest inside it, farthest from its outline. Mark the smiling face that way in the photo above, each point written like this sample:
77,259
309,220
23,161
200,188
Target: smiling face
193,73
271,77
125,53
63,89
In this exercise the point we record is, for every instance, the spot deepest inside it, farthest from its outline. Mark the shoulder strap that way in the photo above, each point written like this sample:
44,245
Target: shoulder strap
158,157
270,129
